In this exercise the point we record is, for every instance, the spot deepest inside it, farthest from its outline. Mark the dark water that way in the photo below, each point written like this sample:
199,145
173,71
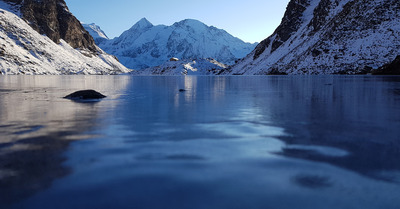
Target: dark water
225,142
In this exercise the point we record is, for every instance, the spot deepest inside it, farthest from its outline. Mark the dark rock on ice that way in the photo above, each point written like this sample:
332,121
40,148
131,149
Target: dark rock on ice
85,95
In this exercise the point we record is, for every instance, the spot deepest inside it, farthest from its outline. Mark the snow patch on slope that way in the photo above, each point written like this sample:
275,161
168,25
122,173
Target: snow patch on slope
145,45
185,67
25,51
96,32
354,36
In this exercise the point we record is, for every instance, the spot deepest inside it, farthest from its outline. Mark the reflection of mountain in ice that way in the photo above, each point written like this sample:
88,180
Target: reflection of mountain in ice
37,100
37,125
284,142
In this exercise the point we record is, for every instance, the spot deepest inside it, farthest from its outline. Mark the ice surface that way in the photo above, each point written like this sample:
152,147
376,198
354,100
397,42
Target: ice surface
225,142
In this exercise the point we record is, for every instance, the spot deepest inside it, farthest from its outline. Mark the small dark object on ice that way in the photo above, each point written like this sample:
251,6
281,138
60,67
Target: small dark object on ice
182,90
85,95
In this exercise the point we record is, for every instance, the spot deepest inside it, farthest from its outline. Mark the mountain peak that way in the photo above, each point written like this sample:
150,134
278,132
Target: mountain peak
96,32
142,23
142,47
26,51
191,23
60,25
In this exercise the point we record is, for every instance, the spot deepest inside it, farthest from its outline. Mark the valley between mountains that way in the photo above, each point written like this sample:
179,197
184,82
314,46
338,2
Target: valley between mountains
314,37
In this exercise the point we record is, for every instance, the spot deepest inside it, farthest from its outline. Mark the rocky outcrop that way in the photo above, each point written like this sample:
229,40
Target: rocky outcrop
290,24
25,51
389,69
328,37
52,18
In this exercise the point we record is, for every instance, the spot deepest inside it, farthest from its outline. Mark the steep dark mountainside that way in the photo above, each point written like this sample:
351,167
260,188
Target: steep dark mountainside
52,18
327,37
145,45
43,37
389,69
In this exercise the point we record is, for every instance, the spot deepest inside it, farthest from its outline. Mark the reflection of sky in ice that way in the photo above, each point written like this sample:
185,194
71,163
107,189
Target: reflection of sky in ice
33,105
237,142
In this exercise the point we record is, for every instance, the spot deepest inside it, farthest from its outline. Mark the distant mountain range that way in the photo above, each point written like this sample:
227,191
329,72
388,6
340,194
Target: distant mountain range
145,45
330,37
314,37
43,37
185,67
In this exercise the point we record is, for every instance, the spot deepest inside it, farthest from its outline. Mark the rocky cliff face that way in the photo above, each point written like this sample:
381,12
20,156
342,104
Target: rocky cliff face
52,18
389,69
328,36
290,24
40,47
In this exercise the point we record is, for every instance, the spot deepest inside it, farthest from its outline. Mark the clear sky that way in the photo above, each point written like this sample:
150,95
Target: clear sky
249,20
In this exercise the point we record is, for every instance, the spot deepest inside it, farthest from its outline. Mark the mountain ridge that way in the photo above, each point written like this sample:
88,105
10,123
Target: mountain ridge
328,37
53,18
146,45
56,43
96,32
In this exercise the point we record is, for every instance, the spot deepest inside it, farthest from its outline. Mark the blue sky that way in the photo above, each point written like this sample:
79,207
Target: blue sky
250,20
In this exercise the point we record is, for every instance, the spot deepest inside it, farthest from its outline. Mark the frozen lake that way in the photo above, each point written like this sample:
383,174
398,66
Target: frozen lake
276,142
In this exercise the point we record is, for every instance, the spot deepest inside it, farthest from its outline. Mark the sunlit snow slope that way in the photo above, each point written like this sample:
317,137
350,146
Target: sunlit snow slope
24,51
96,32
328,36
185,67
145,45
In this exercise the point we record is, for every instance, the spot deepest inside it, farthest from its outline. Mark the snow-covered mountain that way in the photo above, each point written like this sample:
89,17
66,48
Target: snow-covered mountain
95,31
185,67
328,36
145,45
43,37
